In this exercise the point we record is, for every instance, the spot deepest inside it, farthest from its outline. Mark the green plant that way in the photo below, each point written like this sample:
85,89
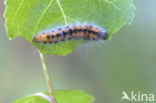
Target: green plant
28,17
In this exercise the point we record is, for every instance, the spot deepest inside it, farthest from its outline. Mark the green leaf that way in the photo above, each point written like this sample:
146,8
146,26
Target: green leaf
27,18
73,96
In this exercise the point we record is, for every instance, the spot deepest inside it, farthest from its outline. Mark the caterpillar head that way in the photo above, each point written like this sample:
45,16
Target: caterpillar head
103,36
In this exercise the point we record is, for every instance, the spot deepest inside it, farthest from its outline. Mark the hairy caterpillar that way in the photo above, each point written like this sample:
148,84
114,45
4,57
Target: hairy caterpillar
85,32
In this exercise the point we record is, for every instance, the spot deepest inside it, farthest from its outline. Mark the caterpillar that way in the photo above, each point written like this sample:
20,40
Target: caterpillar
85,32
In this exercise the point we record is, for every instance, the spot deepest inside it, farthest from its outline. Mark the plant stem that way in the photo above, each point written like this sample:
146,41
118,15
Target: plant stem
47,77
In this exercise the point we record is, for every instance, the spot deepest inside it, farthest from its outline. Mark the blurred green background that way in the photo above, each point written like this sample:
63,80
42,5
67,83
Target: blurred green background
127,62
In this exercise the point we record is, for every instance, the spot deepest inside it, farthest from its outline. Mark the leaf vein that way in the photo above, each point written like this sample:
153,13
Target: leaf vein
64,16
17,11
116,7
39,20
